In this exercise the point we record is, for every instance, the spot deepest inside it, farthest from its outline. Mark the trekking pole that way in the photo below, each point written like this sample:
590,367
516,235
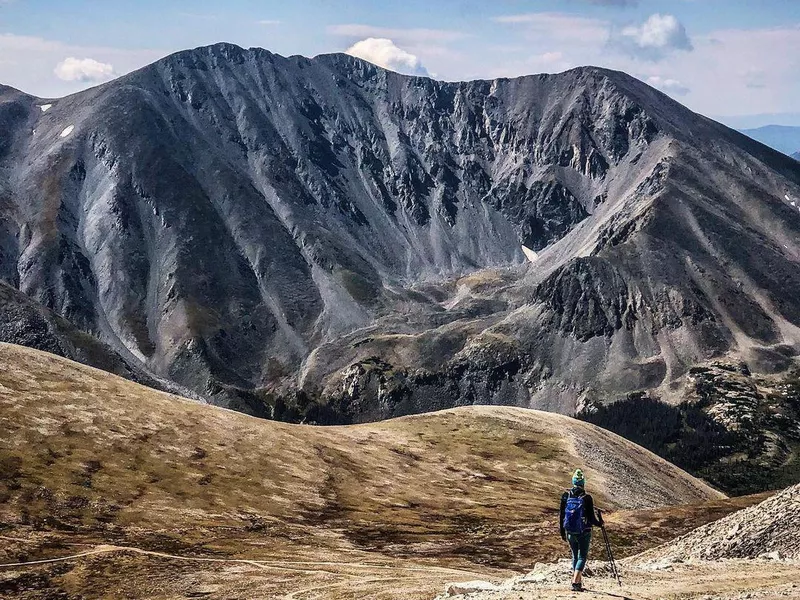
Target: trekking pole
611,561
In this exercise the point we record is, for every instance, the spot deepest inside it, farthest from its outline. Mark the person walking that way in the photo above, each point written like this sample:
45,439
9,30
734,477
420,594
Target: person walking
576,519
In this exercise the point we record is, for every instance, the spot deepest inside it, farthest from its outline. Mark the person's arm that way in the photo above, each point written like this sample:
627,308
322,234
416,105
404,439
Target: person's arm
589,506
561,513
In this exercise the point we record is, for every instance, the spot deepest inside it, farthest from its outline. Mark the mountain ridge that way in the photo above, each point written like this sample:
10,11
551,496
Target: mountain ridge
783,138
323,239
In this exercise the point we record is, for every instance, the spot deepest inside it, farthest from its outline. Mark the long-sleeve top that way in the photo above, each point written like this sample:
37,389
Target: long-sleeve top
588,509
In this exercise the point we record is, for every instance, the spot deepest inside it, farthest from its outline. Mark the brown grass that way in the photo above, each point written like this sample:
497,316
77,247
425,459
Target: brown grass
89,458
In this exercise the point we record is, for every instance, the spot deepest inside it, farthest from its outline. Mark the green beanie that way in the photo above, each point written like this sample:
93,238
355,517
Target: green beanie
578,479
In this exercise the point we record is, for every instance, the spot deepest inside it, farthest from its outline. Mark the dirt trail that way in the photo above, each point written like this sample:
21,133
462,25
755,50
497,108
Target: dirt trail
290,565
32,563
290,580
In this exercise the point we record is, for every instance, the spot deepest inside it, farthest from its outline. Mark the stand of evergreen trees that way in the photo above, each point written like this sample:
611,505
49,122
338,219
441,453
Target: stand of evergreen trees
687,437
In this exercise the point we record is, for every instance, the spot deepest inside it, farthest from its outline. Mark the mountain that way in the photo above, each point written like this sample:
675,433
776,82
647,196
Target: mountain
323,240
783,138
24,321
90,462
796,155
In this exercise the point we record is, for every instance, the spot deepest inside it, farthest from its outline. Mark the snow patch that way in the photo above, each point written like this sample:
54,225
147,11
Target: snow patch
530,254
67,131
45,107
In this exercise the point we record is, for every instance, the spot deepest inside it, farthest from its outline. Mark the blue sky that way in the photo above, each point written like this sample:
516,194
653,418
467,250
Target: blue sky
729,59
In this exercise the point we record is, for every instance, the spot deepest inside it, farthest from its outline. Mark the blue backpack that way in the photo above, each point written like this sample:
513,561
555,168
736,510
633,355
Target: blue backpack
574,521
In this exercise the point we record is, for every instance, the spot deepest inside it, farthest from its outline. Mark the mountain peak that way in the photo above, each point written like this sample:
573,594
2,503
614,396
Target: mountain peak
215,54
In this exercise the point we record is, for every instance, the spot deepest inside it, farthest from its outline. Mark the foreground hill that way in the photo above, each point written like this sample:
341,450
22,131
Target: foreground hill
320,239
90,461
89,448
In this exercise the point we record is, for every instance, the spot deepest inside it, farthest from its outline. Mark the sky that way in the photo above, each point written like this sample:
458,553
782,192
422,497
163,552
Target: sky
735,60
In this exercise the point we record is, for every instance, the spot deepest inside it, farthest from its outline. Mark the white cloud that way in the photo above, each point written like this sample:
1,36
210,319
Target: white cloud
669,86
551,58
438,46
26,63
268,22
384,53
83,69
654,39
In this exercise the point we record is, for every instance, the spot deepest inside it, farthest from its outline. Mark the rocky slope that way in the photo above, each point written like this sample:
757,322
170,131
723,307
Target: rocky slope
319,239
766,530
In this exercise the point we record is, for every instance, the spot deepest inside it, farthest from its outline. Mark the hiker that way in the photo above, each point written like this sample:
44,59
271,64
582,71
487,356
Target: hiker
576,519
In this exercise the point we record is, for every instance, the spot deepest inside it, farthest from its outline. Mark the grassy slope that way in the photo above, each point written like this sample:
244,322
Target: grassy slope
87,457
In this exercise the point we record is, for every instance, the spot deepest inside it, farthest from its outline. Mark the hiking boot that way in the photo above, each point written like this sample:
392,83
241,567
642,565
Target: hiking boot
577,587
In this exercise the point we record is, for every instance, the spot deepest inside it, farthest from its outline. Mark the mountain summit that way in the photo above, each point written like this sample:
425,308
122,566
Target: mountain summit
323,239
